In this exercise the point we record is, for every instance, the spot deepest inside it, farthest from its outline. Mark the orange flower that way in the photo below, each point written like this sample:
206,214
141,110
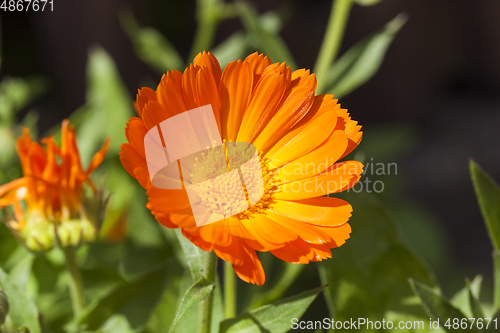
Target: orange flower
300,136
52,186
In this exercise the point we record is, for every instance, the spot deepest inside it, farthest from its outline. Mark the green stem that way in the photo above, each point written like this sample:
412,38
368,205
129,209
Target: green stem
332,40
326,292
75,282
206,306
229,290
207,18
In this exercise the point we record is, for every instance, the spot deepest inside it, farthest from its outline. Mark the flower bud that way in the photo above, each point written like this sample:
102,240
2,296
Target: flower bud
4,307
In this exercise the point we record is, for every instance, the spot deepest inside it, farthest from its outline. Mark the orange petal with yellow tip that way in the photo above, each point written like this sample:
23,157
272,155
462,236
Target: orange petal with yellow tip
316,161
289,113
204,59
351,129
302,139
262,106
339,177
338,234
321,211
235,91
303,230
265,230
300,252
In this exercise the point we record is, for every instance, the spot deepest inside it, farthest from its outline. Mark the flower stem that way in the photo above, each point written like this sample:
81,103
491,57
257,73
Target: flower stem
229,290
332,40
206,306
75,282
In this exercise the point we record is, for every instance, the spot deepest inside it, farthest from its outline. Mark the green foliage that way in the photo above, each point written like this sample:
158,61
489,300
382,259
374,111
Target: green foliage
275,317
267,40
198,292
437,306
360,63
16,93
193,255
368,276
151,46
367,2
135,300
488,196
22,309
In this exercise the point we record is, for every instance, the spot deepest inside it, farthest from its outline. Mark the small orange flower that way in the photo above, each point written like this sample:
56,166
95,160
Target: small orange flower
52,186
300,136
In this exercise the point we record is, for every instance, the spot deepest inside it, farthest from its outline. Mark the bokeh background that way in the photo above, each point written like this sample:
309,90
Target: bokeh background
433,105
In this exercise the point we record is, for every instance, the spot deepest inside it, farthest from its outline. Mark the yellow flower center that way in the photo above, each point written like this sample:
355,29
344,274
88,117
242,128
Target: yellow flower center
232,180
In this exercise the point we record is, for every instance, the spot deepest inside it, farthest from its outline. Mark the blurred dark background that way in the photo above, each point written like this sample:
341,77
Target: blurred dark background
433,105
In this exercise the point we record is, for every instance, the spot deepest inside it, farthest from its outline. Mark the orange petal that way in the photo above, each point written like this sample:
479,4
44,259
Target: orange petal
235,91
316,161
321,211
98,157
144,95
338,234
302,139
208,92
339,177
244,260
167,201
135,133
130,158
267,232
154,113
265,99
169,93
204,59
305,231
197,240
189,87
300,252
258,63
351,128
290,111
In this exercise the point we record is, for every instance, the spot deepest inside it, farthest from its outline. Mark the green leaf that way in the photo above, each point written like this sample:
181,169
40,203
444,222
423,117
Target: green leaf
461,299
16,93
436,305
488,196
494,324
476,308
194,256
135,300
22,309
368,276
271,318
288,276
232,48
108,107
367,2
496,275
151,46
267,40
198,292
117,324
360,63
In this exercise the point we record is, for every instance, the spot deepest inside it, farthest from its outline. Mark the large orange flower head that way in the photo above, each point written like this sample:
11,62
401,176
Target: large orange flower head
51,192
299,139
